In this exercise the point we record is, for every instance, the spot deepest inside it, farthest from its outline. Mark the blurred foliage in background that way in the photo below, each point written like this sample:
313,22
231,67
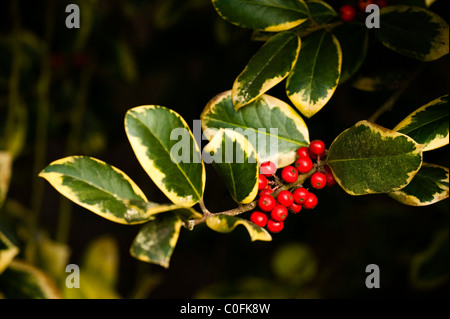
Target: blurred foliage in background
65,92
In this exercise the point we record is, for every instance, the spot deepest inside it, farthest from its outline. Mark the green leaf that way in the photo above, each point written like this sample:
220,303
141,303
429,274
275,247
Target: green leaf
24,281
99,271
234,158
52,256
295,263
413,31
315,75
166,149
320,12
384,78
7,252
226,224
428,125
268,67
101,258
353,38
275,130
429,268
429,185
102,189
368,158
157,239
125,62
5,174
267,15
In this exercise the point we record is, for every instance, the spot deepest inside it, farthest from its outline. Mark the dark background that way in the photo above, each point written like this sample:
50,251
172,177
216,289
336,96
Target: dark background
180,54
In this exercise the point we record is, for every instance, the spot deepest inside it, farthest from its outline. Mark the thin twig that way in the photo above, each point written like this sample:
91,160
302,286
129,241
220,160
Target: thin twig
231,212
247,207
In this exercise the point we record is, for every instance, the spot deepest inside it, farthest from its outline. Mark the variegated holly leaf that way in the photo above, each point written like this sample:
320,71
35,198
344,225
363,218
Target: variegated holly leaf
99,271
168,152
315,75
413,31
268,67
225,224
319,13
274,129
7,252
368,158
429,185
102,189
267,15
157,239
354,39
5,174
24,281
428,124
234,158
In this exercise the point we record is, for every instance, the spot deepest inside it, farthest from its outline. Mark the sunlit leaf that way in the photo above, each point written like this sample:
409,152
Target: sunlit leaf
267,15
226,224
315,75
274,128
168,152
429,124
268,67
157,239
413,31
368,158
234,158
429,185
102,189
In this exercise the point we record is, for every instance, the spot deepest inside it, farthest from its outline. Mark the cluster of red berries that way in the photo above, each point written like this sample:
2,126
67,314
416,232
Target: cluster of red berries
275,202
348,12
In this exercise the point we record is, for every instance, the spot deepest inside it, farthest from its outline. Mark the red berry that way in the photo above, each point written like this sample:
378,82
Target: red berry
310,202
318,180
79,60
266,203
267,168
56,60
330,180
279,213
266,191
285,198
317,147
262,182
330,177
303,151
362,4
303,165
289,174
300,195
258,218
295,208
274,226
381,3
347,13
